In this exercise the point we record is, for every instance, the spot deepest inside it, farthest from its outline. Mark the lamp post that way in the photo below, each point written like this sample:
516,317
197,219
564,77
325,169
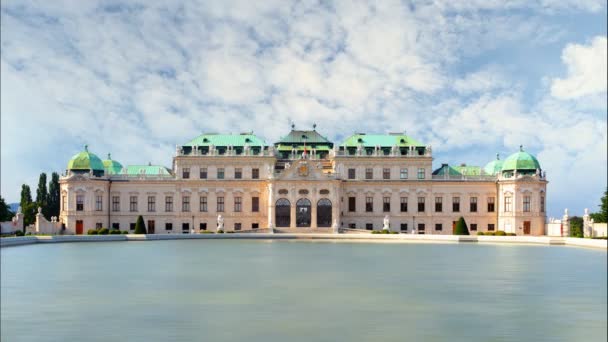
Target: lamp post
413,224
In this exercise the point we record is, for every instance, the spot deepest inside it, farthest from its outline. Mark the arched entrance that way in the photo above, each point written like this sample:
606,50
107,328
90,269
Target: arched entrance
282,212
303,213
324,213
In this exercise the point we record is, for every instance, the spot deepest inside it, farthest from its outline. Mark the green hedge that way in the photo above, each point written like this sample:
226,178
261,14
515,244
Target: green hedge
115,232
480,233
220,231
19,233
92,232
511,234
103,231
500,233
124,232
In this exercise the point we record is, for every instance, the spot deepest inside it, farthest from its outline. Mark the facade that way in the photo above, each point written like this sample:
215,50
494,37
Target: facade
304,183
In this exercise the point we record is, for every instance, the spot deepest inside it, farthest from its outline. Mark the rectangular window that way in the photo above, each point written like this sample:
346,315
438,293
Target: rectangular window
186,203
420,173
351,173
255,204
133,203
98,202
64,199
237,226
168,226
490,204
220,204
473,204
508,204
255,173
542,204
186,173
369,173
220,173
185,228
151,203
386,204
168,203
116,225
526,203
255,225
203,204
369,204
403,204
421,228
238,204
403,227
79,202
352,204
203,173
491,227
202,226
473,227
403,174
386,173
438,227
98,225
438,204
238,173
115,203
420,204
131,226
455,204
369,226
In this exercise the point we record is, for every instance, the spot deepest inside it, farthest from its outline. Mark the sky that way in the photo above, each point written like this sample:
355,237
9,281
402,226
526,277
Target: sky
471,78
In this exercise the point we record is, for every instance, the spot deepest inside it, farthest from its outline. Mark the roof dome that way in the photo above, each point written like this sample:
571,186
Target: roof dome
521,160
85,160
112,167
494,167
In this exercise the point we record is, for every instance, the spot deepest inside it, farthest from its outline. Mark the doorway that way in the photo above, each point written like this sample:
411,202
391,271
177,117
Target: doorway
526,227
303,213
282,212
151,227
324,213
79,227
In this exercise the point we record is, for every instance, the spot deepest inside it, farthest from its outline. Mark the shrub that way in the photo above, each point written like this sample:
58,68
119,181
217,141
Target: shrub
104,231
28,233
489,233
230,232
500,233
124,232
205,232
511,234
92,232
480,233
140,226
114,232
220,231
19,233
375,232
394,232
461,227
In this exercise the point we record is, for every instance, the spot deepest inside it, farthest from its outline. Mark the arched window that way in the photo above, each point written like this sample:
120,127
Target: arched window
303,212
282,212
324,213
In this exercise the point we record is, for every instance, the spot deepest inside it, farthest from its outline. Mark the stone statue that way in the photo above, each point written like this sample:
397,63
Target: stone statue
586,211
335,226
220,222
39,210
386,223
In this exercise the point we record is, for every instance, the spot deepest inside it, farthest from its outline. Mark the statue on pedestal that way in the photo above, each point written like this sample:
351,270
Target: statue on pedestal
386,223
336,227
220,223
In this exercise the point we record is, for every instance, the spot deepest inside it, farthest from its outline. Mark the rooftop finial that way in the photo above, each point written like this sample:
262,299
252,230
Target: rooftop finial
149,163
314,126
497,156
86,148
293,126
109,156
521,148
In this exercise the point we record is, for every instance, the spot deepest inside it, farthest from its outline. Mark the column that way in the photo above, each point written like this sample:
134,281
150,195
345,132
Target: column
292,214
313,212
270,206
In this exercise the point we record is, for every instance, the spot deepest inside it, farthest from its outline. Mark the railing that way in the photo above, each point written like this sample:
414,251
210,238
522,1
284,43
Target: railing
463,178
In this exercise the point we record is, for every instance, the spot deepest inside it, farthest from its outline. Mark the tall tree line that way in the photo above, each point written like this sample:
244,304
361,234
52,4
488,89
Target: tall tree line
46,198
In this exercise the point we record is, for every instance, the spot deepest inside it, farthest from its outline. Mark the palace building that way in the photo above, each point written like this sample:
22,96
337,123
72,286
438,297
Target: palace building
304,183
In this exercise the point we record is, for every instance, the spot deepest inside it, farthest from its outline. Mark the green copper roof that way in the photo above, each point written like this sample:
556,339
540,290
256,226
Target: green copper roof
299,137
494,167
112,167
382,140
445,168
521,161
226,140
85,160
301,148
462,170
149,170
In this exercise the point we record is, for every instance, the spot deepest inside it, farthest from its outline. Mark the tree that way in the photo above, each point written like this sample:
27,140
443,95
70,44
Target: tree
5,211
602,216
140,226
42,194
53,197
461,227
576,227
28,208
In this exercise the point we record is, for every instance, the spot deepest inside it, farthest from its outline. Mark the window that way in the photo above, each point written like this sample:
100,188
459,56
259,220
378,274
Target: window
352,204
386,173
115,203
438,227
473,227
386,204
369,173
168,226
186,203
438,204
203,204
132,225
98,202
255,173
420,173
403,174
220,204
185,228
352,225
63,202
168,203
508,204
238,204
490,204
238,173
542,204
403,227
351,173
202,226
421,228
491,227
79,202
186,173
151,203
116,225
455,204
203,173
220,173
237,226
255,225
526,203
473,204
403,204
255,204
133,203
98,225
369,204
369,226
420,204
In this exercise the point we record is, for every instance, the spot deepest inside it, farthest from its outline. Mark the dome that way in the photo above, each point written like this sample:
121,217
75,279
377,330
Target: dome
521,161
112,167
85,161
494,167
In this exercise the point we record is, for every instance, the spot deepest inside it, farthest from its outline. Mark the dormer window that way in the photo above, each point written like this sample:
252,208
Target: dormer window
205,140
359,140
402,141
247,140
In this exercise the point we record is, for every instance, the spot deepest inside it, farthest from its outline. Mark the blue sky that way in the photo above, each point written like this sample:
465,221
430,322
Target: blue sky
470,78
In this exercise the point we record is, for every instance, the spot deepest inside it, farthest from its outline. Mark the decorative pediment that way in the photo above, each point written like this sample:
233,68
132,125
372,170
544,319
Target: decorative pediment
303,169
